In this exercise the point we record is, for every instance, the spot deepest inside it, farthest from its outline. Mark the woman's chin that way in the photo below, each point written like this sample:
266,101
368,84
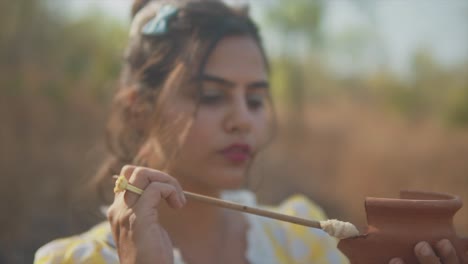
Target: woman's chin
219,179
232,182
233,187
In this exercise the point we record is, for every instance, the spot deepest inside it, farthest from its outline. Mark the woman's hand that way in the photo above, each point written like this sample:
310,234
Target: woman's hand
134,219
444,253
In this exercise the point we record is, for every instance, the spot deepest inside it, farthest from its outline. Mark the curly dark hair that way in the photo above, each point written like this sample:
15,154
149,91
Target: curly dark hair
152,64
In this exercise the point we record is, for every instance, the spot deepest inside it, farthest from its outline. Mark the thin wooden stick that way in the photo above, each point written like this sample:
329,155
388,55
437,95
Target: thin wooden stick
252,210
233,206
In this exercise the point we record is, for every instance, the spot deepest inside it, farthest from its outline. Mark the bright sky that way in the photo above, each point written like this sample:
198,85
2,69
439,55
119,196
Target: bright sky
397,27
402,26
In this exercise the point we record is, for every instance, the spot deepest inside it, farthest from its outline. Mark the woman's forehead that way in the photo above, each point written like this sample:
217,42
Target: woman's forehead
238,59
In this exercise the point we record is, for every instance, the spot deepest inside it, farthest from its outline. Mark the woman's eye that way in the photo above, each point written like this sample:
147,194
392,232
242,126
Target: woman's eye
255,102
210,98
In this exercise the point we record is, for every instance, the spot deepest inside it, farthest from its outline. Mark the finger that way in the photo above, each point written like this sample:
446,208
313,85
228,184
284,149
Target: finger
141,177
425,254
113,212
126,171
154,193
396,261
446,251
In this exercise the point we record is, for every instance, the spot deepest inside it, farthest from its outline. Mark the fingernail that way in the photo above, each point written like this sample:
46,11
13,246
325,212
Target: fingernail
444,246
396,261
426,250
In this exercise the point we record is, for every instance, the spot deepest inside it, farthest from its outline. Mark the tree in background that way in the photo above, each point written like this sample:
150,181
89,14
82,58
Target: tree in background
56,78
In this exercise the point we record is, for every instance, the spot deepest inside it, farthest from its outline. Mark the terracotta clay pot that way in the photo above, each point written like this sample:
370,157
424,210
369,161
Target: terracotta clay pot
395,226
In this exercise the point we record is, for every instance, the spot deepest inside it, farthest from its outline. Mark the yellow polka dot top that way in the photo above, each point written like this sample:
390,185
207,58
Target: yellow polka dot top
269,241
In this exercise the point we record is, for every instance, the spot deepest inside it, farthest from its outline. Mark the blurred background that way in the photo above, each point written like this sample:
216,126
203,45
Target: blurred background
372,97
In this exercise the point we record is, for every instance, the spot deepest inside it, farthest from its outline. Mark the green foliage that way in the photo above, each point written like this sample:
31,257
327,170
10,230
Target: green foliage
288,82
458,111
299,15
54,56
430,90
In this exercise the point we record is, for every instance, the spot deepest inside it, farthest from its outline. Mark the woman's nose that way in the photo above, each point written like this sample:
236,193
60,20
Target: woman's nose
238,117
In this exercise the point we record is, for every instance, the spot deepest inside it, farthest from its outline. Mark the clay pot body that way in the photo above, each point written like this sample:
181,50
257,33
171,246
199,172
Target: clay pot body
395,226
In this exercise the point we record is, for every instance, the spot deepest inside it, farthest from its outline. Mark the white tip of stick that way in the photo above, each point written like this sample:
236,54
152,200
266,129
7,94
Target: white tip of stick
339,229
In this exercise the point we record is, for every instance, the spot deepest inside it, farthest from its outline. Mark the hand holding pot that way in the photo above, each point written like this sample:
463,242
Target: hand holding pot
417,228
443,253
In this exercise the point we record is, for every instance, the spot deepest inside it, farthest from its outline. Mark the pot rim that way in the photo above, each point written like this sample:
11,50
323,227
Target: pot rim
413,199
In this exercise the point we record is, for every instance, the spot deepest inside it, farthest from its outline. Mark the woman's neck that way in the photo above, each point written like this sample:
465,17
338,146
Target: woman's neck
206,234
199,228
195,220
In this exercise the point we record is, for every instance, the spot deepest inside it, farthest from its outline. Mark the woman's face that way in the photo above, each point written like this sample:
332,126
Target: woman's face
231,121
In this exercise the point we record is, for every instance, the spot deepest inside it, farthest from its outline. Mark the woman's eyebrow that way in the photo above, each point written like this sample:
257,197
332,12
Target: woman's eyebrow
212,78
224,82
260,84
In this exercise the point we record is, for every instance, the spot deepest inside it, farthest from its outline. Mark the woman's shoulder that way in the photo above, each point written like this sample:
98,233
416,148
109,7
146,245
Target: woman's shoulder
94,246
301,206
301,244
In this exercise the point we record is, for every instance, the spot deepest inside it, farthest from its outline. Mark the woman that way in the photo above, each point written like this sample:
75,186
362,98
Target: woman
193,111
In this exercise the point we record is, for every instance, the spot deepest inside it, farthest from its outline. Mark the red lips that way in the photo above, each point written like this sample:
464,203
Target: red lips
237,153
